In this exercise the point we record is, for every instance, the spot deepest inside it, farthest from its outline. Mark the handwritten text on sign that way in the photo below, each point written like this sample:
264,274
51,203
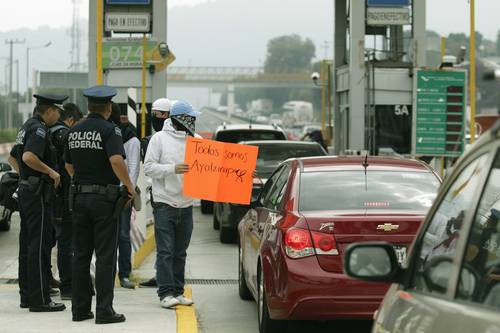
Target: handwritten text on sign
219,171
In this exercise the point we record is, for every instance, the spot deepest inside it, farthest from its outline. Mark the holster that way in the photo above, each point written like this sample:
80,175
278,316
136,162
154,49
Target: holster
47,189
121,201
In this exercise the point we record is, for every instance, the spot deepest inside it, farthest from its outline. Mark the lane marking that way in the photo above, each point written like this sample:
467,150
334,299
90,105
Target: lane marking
146,248
186,315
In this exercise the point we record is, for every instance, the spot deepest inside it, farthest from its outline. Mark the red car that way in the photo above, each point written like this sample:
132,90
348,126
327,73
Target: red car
293,238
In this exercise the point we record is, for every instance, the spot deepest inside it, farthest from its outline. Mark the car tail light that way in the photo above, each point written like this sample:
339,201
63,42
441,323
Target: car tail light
324,243
298,243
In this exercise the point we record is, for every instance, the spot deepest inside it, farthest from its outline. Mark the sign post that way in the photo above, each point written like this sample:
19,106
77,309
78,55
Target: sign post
439,117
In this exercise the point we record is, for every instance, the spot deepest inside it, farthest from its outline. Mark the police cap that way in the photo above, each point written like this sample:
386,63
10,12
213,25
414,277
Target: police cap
50,100
101,94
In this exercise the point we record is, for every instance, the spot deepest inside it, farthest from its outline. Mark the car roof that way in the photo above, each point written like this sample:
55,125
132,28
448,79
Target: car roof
344,163
248,127
279,142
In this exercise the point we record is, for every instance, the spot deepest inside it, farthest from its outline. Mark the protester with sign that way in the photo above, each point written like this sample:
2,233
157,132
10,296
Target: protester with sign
173,212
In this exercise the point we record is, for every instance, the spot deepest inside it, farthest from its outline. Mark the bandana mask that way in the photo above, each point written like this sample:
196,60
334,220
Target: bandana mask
187,123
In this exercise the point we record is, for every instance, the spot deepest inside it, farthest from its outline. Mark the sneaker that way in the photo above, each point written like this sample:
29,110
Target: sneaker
183,300
126,283
169,302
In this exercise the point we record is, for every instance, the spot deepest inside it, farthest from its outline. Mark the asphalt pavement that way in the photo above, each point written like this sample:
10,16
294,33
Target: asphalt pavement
211,272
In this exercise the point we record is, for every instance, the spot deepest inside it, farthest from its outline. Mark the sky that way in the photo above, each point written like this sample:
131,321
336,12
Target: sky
443,16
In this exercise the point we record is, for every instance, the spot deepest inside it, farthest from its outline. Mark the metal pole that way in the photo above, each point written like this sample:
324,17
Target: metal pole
329,87
143,87
27,75
443,158
323,114
9,114
99,41
472,82
443,47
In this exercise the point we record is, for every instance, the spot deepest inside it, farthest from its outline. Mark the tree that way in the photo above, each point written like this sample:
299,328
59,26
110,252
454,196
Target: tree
289,54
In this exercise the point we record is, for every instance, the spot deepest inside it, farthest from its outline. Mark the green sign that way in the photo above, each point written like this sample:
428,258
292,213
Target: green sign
124,54
439,116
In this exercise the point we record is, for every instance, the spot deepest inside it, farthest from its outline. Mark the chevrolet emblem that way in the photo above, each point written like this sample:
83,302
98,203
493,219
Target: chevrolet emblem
388,227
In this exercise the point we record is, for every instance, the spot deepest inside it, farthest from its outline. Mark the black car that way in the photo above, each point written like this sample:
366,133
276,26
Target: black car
234,133
271,155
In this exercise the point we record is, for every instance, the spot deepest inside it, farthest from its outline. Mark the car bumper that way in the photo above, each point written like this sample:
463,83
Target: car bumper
310,293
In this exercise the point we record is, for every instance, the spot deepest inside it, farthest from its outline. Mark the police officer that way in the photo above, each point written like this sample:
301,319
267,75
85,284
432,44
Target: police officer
70,115
34,157
95,158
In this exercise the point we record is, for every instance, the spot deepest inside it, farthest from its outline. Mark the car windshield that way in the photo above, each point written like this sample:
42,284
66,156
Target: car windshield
249,135
271,155
351,190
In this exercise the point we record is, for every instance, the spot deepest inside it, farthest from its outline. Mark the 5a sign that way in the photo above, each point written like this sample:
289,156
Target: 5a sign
401,110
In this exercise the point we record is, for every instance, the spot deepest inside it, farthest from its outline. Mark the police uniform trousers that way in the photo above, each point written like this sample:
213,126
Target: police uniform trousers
35,240
94,228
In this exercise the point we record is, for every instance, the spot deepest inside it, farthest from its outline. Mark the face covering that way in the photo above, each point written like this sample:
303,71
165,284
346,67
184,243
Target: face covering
157,123
184,123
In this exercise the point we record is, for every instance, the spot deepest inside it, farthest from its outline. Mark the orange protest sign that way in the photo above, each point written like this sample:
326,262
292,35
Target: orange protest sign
219,171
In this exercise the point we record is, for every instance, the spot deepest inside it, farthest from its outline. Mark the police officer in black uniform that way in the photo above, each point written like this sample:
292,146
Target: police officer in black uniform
95,158
33,156
70,115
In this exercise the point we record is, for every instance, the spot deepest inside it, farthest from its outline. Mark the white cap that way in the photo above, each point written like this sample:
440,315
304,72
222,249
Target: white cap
162,104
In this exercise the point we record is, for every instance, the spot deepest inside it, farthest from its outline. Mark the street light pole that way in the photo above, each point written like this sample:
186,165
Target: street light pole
472,64
28,67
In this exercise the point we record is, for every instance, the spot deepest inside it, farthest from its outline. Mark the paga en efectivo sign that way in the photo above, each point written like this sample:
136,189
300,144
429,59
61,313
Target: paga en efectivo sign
439,117
127,22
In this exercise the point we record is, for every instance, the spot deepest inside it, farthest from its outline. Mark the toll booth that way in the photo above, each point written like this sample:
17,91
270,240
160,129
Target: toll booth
378,46
120,33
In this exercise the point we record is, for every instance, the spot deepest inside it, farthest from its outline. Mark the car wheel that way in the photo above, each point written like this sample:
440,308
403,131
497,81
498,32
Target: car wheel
216,223
243,290
207,207
226,235
266,324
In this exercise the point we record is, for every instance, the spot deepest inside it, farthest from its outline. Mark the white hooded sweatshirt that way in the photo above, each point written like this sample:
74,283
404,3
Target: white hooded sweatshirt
166,149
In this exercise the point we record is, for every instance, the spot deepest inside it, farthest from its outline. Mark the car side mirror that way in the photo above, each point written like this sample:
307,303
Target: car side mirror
436,276
436,273
372,261
5,167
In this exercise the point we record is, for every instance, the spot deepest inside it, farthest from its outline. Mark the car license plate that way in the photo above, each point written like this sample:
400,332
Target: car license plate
400,253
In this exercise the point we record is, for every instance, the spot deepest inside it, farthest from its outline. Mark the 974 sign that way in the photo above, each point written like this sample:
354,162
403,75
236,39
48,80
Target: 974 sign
124,54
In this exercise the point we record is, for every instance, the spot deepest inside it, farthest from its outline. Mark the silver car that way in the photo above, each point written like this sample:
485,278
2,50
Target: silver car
451,279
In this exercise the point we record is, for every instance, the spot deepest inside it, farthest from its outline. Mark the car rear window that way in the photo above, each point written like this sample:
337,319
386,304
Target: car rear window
281,152
352,190
249,135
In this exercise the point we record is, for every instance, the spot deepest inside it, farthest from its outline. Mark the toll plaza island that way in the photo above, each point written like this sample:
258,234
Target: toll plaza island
348,186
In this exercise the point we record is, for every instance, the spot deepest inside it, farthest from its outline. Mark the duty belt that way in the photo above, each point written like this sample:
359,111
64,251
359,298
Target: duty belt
97,189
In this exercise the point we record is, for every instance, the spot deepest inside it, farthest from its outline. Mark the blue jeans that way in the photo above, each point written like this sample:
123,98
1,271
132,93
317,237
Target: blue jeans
173,229
124,245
